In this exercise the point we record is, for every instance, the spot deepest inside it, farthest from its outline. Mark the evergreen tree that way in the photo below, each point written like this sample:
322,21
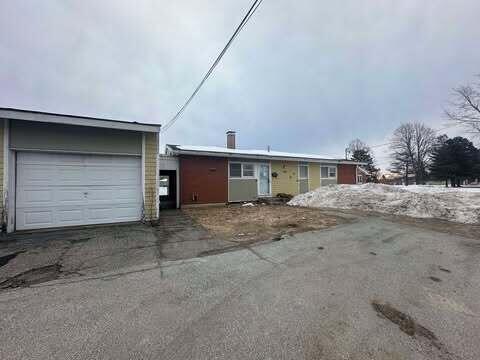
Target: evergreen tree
363,155
455,159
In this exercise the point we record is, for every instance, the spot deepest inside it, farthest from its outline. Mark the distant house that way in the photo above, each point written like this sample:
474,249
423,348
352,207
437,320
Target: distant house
219,175
397,179
362,175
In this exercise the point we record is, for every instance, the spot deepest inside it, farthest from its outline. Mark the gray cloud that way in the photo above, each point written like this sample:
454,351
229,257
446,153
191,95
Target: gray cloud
304,76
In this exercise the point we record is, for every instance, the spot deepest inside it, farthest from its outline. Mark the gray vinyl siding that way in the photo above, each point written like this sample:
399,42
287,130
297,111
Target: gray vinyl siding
242,190
328,182
29,135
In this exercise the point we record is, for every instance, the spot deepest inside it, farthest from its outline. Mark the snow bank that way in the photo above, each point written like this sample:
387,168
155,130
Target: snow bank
460,205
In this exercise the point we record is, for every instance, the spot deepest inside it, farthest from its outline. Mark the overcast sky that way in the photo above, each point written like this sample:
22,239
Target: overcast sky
303,76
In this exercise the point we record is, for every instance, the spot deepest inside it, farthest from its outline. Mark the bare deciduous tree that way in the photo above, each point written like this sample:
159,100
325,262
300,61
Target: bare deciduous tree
356,145
412,144
465,106
402,150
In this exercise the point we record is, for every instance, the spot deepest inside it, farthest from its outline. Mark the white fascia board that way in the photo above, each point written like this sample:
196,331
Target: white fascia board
76,120
260,157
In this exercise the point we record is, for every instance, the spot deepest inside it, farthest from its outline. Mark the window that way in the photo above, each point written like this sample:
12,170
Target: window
332,172
242,170
324,172
328,172
235,170
163,186
360,179
248,170
303,171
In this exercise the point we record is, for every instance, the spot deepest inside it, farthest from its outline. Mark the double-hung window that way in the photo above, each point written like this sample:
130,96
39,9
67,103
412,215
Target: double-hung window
248,170
235,170
328,172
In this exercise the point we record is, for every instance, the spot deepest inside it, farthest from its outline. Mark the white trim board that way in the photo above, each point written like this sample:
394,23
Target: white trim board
18,114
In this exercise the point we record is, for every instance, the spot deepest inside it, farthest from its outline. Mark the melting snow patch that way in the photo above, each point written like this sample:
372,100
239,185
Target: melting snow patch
460,204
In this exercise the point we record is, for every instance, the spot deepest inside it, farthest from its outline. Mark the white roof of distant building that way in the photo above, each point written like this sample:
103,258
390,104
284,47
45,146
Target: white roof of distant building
251,154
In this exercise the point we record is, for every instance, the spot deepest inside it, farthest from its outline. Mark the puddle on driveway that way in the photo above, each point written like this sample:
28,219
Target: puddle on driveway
4,260
32,277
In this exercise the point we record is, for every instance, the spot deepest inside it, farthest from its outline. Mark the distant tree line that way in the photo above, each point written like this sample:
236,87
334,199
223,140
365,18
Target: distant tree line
417,151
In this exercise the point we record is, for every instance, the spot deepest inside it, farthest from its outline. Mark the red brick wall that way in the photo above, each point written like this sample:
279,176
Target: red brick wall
347,174
203,180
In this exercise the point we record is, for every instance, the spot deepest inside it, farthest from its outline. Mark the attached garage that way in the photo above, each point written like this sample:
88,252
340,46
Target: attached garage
64,170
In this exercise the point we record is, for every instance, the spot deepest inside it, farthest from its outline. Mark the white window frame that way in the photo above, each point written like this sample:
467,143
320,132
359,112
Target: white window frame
359,179
299,172
241,171
328,172
253,170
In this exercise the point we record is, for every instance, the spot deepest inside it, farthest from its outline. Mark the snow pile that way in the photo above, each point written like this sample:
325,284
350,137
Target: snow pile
460,205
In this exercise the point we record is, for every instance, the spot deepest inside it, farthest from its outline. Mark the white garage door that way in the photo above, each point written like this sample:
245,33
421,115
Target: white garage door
64,189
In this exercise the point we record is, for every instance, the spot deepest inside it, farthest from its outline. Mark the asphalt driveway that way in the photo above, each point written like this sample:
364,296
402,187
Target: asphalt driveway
33,258
369,289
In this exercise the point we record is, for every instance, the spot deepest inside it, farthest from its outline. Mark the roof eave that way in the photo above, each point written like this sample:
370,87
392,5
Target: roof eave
37,116
175,151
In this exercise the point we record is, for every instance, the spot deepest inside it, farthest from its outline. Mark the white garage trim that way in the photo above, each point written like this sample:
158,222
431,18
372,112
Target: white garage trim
57,189
6,153
19,114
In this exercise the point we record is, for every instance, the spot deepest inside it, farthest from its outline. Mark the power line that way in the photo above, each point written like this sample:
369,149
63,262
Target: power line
239,28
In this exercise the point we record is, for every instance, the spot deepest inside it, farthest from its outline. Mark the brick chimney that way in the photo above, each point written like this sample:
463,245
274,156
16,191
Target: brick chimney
231,139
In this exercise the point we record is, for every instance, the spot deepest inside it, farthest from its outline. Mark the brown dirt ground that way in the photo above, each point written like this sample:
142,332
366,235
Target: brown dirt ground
260,222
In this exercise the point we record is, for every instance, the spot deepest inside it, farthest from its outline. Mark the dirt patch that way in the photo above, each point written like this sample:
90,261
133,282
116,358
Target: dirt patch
33,276
261,222
405,322
4,260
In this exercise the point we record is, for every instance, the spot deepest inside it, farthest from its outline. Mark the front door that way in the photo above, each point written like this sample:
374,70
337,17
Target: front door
168,189
264,180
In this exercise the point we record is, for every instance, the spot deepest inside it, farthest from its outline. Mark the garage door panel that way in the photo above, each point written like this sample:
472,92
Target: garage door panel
35,197
56,190
99,195
70,196
68,216
33,175
35,218
128,194
100,214
127,213
68,175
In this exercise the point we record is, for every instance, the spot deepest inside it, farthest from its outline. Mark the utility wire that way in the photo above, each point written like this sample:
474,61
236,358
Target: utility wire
239,28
